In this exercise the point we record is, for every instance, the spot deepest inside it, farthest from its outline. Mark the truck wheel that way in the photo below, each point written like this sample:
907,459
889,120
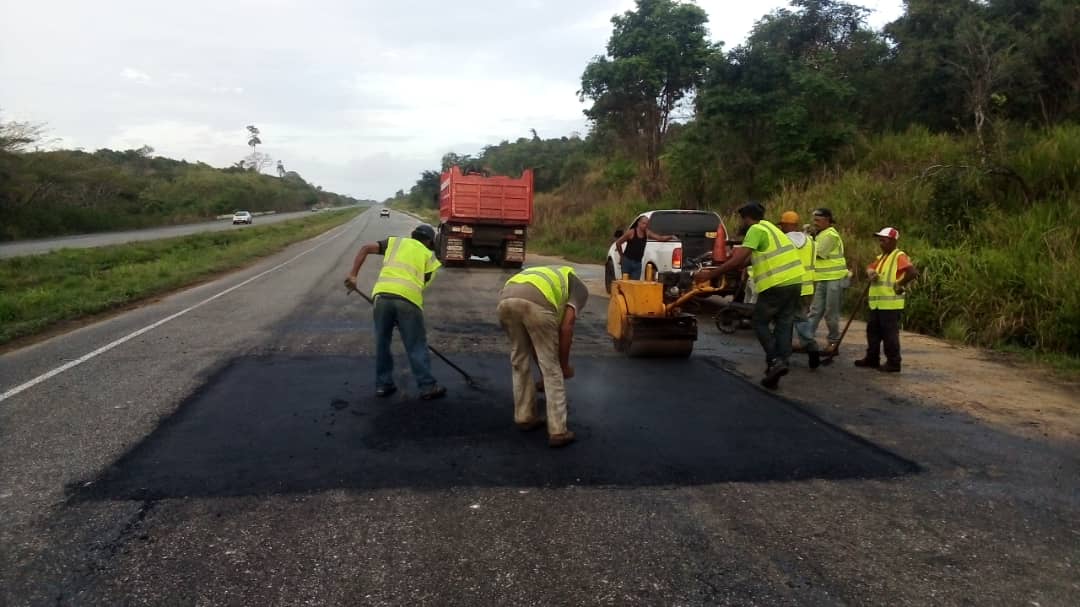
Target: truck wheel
609,276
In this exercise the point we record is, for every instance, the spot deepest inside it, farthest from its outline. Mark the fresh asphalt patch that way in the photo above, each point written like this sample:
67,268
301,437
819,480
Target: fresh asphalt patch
287,424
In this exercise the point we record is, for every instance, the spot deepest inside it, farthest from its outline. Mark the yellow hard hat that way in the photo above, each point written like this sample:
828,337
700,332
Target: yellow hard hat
789,217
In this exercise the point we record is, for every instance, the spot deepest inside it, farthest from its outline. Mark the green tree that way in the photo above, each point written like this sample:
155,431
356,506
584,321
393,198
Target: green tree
656,58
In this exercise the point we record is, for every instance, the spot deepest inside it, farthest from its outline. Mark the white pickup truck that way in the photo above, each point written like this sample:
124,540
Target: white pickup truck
697,233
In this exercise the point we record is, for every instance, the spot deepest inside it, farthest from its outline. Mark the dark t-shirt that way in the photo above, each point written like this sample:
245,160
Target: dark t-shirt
635,247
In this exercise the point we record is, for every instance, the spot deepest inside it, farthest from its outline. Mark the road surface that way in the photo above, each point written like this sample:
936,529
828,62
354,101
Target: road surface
233,453
85,241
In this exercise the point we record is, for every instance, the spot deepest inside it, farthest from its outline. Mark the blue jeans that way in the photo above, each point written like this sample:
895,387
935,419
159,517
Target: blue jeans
802,325
828,299
390,311
774,317
631,267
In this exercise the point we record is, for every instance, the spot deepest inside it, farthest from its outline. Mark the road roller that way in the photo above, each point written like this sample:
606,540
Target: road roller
646,317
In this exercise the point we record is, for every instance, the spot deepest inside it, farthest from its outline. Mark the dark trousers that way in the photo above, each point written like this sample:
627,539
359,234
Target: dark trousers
883,327
774,317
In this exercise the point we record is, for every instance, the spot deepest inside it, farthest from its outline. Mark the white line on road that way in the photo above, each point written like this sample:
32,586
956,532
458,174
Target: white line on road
109,346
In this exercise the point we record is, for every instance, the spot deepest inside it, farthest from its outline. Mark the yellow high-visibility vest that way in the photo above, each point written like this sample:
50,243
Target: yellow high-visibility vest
778,264
405,263
807,253
882,294
552,281
832,266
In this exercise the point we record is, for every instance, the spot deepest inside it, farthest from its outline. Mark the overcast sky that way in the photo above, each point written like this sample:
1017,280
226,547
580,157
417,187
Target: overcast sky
356,96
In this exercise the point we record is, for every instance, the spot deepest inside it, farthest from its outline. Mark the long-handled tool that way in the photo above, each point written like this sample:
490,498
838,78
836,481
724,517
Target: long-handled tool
834,349
350,287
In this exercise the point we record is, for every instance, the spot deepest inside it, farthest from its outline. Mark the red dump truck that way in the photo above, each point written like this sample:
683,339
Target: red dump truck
485,216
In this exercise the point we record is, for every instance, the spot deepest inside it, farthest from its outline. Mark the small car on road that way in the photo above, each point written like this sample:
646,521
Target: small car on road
242,217
384,213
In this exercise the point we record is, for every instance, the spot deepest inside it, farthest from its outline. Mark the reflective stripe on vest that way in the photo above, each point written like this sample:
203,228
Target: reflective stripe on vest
883,291
777,264
806,254
831,266
552,282
405,263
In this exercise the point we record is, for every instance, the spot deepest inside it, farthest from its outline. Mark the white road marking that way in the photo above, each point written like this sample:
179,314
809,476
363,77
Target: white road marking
109,346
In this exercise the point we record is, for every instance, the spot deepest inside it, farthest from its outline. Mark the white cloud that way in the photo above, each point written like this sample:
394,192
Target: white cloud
356,95
135,75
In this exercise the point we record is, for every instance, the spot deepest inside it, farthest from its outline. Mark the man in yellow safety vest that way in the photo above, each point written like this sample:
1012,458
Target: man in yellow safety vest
889,274
789,223
778,277
830,277
537,308
408,267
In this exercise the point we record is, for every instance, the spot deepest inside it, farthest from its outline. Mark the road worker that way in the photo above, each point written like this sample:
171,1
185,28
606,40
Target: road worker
778,276
789,223
538,308
830,277
409,265
890,272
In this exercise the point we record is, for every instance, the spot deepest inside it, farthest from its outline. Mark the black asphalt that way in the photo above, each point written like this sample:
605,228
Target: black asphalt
237,456
280,424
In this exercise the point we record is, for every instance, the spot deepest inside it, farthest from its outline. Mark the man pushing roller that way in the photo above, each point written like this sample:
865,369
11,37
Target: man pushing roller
537,309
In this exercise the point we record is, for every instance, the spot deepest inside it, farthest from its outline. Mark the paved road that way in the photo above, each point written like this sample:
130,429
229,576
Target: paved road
84,241
235,455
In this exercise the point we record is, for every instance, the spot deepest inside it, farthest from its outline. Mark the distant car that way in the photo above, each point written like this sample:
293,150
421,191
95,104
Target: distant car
384,213
242,217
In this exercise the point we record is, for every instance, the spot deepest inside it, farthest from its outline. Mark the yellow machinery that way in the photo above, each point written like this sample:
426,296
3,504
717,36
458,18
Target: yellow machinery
643,324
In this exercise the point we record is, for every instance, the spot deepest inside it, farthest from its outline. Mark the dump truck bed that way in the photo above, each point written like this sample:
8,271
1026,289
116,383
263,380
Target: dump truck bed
476,199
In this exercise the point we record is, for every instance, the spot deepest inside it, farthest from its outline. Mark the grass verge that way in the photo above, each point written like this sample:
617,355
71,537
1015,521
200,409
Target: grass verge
40,291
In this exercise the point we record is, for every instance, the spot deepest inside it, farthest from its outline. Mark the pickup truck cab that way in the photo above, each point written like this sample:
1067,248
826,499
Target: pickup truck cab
698,235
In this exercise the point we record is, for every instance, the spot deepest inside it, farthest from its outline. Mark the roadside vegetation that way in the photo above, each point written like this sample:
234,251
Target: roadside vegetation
41,291
57,192
956,124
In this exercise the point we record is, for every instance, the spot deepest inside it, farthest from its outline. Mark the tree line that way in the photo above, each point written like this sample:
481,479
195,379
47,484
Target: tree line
694,122
56,192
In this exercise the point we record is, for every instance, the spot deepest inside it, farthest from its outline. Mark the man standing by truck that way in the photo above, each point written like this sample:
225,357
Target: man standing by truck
408,268
778,276
631,247
537,309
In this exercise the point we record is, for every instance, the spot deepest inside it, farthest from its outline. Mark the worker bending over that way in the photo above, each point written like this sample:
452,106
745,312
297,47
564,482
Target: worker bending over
778,276
408,268
537,309
789,223
888,275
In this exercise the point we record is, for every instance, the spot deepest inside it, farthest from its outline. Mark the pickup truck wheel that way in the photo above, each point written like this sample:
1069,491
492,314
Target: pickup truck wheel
609,276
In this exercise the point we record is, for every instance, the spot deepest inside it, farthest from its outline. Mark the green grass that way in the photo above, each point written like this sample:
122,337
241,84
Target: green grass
40,291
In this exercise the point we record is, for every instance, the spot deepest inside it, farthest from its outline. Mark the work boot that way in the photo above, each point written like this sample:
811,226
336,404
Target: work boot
531,425
432,392
815,358
384,391
867,363
890,367
773,375
560,440
833,349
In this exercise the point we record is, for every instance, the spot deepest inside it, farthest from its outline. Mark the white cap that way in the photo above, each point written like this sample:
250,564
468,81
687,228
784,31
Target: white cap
889,233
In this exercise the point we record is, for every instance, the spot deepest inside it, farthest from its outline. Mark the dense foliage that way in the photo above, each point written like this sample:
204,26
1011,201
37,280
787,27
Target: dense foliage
956,123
